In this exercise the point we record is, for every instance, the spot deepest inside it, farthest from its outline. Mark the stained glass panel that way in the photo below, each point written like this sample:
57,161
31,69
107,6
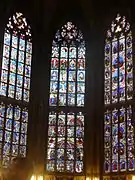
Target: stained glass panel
118,96
17,53
12,139
14,86
118,63
118,145
67,89
65,142
67,68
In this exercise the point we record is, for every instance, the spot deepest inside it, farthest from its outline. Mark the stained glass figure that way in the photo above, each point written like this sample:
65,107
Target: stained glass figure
118,96
15,87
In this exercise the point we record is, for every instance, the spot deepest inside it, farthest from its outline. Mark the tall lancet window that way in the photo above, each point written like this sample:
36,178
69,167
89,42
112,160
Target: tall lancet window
15,88
119,137
65,151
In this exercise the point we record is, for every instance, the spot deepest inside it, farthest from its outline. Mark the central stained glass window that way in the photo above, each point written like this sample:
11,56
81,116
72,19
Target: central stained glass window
65,151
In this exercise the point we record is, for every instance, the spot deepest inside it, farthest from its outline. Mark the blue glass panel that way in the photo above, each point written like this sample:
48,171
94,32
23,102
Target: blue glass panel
80,99
27,71
12,78
3,89
22,44
17,112
79,166
16,126
18,93
14,41
25,116
19,81
4,76
21,57
24,128
72,76
9,124
54,75
6,51
13,66
1,122
23,139
7,38
15,138
8,136
62,87
62,99
9,112
29,47
64,52
80,75
71,99
20,68
27,83
5,63
72,64
26,95
72,52
14,54
28,59
53,87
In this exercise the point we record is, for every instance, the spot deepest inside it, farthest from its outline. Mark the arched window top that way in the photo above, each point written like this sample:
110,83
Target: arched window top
68,34
18,25
16,62
118,62
67,85
119,26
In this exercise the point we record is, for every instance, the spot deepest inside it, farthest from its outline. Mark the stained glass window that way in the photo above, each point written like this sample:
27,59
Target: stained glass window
14,88
67,88
118,98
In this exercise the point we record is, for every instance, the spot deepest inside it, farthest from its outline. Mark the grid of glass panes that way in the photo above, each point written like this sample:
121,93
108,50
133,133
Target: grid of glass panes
67,88
118,66
16,63
65,142
13,132
118,140
67,81
14,86
118,128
